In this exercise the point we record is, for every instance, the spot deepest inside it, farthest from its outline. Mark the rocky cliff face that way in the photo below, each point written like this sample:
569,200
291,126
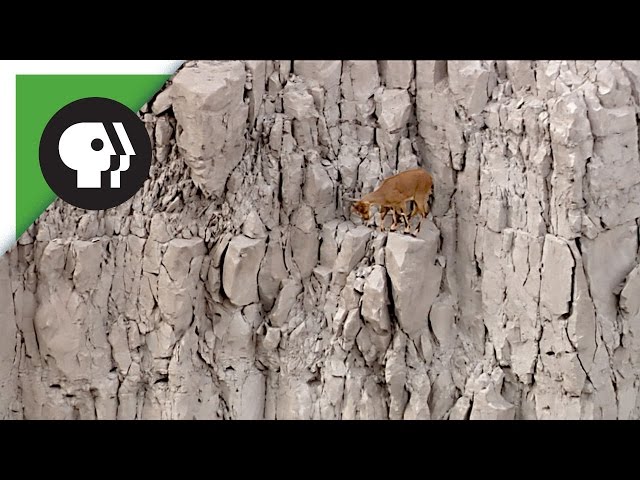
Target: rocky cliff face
237,284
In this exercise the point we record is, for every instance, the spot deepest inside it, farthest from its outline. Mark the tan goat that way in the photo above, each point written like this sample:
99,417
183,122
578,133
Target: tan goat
394,193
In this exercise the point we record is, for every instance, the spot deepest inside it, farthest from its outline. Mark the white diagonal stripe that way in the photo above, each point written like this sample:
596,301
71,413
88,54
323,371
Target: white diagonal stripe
124,138
7,158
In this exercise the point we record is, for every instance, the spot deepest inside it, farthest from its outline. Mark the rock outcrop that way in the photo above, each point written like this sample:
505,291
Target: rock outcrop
237,283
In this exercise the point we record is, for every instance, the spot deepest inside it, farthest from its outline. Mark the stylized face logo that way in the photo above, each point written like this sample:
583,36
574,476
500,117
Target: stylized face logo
95,153
86,148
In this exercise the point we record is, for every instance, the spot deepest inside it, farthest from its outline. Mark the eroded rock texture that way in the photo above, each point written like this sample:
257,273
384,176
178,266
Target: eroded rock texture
236,284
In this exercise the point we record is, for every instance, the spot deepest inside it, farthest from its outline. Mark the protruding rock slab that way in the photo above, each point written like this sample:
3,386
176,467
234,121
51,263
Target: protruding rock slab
375,299
415,279
240,269
209,106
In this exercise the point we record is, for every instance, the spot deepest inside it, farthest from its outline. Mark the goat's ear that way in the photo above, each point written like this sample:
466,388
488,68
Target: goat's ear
351,199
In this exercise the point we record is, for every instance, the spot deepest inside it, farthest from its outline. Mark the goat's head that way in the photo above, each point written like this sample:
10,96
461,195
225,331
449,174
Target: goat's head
360,207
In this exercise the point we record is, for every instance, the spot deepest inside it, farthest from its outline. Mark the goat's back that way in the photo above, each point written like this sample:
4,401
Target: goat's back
409,181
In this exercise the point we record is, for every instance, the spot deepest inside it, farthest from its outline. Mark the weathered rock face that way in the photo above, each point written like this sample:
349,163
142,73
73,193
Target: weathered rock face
240,271
209,108
237,284
415,281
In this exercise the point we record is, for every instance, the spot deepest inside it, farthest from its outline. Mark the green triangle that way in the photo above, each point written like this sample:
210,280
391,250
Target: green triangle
38,98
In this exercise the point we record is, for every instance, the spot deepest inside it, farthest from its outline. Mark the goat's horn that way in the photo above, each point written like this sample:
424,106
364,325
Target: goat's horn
349,198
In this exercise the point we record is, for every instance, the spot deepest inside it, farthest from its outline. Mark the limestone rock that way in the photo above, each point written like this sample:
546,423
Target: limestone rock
286,299
442,320
608,260
209,107
253,227
352,249
298,103
557,273
415,280
162,102
319,192
240,269
178,279
469,83
8,330
396,73
305,244
375,300
490,405
272,273
521,74
394,107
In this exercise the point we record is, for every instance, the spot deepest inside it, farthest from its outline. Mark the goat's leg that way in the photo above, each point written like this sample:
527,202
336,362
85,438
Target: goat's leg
409,216
421,199
406,220
394,225
418,226
383,215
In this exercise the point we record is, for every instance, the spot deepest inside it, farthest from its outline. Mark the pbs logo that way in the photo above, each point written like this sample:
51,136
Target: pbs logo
95,153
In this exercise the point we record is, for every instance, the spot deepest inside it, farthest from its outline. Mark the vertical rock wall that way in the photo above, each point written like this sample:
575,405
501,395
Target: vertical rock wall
236,284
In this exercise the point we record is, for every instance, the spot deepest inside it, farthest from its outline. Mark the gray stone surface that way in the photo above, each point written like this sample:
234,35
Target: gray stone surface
240,270
415,280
